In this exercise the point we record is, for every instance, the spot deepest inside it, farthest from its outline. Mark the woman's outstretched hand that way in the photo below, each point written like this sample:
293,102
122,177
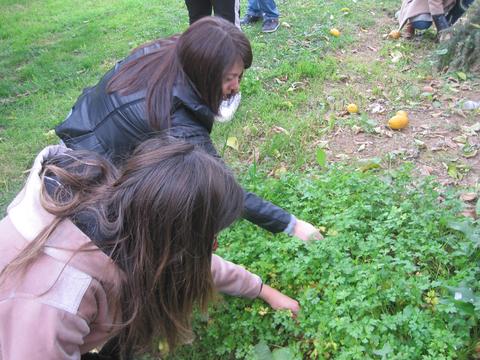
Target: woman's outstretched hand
278,301
306,231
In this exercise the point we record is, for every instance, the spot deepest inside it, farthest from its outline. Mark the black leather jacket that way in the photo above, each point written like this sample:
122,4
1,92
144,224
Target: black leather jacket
113,124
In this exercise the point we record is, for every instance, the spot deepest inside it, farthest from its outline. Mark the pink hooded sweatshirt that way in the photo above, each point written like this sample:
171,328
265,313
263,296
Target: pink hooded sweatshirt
61,306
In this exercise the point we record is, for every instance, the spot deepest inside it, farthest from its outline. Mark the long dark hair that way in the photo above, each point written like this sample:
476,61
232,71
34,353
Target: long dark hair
159,216
201,56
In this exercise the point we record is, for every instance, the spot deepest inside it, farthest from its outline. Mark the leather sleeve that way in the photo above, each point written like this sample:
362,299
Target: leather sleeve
257,210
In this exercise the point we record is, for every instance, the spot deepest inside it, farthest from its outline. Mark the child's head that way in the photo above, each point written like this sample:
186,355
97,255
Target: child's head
172,199
209,50
173,187
212,53
161,210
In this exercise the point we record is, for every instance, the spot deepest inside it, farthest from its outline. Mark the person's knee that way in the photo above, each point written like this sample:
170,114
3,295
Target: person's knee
421,24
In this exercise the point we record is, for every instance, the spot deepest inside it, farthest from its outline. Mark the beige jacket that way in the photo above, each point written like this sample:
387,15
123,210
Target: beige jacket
62,306
411,8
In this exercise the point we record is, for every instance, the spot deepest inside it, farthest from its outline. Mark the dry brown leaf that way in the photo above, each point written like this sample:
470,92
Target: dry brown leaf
278,172
470,212
462,139
426,170
342,156
356,129
361,148
279,129
451,144
379,130
470,196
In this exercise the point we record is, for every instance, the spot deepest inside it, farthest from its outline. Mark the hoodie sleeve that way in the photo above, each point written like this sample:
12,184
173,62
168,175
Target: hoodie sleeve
232,279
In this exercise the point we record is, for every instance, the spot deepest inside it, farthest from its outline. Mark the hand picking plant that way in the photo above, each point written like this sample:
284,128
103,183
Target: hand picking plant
395,277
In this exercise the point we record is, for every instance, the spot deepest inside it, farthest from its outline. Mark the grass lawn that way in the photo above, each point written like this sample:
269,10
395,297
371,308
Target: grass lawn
397,275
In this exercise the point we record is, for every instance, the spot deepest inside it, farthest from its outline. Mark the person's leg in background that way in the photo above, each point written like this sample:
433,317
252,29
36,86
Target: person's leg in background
438,14
265,10
228,9
458,10
253,13
270,15
198,9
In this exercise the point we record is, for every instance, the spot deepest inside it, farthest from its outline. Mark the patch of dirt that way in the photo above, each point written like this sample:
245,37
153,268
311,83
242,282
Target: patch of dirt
441,138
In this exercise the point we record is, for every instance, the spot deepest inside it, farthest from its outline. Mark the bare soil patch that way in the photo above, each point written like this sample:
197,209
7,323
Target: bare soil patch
442,139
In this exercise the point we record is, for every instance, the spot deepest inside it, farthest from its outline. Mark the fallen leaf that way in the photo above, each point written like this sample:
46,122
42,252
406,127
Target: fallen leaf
471,130
469,212
287,25
426,170
470,196
342,156
469,151
461,75
356,129
475,127
296,85
396,56
462,139
453,172
279,129
232,142
378,130
49,133
450,143
376,108
419,143
369,164
282,170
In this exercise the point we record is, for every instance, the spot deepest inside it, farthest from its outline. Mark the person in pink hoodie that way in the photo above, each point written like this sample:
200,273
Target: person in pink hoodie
90,252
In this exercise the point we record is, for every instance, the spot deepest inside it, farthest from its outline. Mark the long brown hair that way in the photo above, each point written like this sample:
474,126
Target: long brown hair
200,56
159,217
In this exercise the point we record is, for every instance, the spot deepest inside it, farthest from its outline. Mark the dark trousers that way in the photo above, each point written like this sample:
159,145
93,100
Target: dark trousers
458,10
227,9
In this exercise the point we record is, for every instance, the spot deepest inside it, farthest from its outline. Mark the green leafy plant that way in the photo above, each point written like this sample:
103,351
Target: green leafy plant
381,285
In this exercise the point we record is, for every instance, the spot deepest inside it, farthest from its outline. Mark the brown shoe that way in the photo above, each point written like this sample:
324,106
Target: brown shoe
409,31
